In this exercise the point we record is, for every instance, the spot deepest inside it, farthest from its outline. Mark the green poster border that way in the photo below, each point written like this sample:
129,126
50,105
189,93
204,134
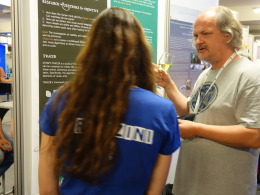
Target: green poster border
147,21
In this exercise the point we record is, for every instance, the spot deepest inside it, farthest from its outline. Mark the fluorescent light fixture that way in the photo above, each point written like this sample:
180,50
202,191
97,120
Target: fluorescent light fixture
5,2
257,10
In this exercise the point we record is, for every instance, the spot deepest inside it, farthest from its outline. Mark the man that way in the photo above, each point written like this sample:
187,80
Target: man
219,152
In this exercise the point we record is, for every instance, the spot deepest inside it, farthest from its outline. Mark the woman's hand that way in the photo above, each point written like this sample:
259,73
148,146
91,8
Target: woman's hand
5,142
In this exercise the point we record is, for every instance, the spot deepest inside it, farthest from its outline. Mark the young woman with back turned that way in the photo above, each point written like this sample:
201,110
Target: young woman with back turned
106,130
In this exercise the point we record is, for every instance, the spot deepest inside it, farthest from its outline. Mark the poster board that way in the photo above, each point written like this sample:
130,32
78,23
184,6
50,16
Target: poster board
63,26
62,29
147,14
186,66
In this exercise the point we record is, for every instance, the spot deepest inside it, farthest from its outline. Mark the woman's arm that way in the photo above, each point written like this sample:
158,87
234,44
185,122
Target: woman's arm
48,179
3,80
12,128
159,175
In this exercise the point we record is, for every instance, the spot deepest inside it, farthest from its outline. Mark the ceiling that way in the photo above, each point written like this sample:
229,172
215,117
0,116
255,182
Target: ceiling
234,3
246,15
5,13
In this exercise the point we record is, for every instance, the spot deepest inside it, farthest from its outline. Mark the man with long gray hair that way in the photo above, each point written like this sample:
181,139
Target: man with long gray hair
219,152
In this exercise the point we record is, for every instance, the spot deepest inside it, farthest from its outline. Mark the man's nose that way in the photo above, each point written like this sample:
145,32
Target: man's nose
199,40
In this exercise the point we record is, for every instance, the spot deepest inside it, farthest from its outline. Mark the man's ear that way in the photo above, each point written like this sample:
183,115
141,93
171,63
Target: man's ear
227,37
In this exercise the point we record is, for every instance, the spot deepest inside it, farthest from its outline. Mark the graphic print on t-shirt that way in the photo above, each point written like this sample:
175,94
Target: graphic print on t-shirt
134,133
208,100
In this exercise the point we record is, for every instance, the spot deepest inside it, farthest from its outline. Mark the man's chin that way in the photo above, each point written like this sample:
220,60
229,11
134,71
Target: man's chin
201,58
206,59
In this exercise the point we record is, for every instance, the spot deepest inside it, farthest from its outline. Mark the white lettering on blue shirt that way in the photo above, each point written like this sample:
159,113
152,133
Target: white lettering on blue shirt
134,133
127,132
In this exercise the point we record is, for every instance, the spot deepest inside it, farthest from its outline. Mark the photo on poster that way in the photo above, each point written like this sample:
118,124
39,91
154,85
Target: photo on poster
185,88
188,84
199,67
194,58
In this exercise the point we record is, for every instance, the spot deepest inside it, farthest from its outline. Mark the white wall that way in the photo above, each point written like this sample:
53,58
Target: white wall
256,60
197,4
30,95
251,45
161,27
5,27
34,82
246,13
245,40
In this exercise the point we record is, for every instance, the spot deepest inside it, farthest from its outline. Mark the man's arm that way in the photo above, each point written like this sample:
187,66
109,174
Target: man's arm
180,101
234,135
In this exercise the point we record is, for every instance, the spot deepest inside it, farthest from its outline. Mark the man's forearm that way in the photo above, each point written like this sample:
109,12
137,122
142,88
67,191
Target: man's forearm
179,100
235,135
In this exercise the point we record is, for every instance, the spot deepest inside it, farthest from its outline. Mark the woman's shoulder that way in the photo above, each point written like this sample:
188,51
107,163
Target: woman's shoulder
59,95
147,96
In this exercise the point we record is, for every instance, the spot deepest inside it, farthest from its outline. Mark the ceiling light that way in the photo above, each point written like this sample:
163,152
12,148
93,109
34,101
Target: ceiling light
257,10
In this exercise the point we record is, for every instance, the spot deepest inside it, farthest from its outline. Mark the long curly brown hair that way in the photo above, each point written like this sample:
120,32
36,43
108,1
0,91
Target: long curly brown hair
115,58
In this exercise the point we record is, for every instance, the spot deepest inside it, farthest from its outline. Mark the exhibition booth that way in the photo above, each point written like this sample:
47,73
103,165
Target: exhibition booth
46,38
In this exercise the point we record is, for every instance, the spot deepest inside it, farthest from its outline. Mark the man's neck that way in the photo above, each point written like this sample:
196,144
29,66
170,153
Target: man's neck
224,58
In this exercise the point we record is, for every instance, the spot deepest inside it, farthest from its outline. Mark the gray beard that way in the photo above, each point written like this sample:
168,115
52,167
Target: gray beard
211,59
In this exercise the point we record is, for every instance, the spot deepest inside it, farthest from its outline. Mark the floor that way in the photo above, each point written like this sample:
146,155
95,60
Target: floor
258,192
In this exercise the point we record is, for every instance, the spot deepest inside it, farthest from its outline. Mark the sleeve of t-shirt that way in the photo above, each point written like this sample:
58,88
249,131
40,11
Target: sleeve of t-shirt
172,139
247,110
48,119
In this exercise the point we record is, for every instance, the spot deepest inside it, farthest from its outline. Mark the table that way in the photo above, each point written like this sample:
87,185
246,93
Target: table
6,105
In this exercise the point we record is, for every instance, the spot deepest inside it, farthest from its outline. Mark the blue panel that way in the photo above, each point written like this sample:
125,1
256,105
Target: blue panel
2,57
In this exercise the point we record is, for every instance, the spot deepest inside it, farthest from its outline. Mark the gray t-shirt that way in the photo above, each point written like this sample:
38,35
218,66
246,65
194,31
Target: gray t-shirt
206,167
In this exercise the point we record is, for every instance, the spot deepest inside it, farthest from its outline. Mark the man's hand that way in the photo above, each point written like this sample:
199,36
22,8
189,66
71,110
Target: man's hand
162,77
187,129
3,142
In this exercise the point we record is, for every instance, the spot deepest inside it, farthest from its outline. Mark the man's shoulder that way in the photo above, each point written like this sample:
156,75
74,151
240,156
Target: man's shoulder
203,73
246,72
245,69
245,65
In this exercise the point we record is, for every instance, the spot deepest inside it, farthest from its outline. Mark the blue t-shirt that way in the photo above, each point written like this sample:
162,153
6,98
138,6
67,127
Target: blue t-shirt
150,127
